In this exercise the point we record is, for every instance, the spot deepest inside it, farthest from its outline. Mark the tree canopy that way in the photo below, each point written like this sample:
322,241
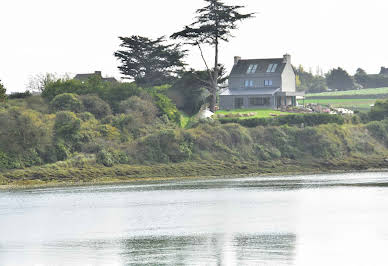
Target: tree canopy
149,62
3,94
214,23
339,79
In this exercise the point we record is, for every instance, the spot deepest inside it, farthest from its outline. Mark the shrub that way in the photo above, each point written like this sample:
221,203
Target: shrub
137,106
93,104
66,102
291,120
19,95
67,125
105,158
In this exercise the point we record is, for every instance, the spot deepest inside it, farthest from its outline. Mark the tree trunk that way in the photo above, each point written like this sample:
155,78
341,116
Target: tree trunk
213,102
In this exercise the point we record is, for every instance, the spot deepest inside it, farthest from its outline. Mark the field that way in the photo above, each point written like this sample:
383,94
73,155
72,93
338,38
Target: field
259,113
354,99
353,104
352,93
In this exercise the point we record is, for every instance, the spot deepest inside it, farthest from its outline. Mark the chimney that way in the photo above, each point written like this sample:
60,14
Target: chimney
287,59
236,59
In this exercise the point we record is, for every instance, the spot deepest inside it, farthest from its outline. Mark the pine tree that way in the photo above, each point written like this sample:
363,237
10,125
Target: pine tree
214,23
149,62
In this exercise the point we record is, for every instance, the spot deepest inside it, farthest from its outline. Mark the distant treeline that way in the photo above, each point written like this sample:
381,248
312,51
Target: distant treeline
337,79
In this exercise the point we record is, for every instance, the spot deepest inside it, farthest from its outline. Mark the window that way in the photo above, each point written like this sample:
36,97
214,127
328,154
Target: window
252,69
238,103
272,68
259,101
249,83
267,82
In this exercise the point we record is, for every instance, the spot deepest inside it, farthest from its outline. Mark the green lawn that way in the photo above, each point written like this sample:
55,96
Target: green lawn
376,91
353,104
259,113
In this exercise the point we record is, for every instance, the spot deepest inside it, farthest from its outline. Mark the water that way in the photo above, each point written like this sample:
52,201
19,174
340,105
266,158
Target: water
339,219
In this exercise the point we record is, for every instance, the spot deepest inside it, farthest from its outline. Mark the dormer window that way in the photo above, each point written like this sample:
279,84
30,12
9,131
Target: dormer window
272,68
252,69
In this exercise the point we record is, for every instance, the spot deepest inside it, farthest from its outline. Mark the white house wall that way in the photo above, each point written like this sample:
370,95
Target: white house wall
288,79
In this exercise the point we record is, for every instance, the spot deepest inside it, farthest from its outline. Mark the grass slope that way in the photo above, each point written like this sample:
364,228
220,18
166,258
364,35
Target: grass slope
259,113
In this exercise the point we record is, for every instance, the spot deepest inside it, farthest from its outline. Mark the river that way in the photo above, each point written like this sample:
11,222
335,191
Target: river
336,219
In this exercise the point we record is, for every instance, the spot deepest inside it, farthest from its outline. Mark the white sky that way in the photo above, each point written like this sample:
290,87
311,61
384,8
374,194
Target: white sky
80,36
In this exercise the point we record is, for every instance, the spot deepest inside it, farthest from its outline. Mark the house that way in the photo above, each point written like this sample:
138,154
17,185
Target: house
260,83
85,77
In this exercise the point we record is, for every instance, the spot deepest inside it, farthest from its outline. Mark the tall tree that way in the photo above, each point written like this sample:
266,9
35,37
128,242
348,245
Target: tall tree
339,79
361,77
214,23
3,94
149,62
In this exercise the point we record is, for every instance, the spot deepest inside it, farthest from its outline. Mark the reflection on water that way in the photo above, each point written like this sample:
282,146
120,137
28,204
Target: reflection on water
338,219
210,250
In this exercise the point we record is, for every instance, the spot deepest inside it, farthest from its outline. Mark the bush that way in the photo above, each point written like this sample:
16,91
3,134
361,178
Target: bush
139,107
93,104
66,102
105,158
291,120
67,125
19,95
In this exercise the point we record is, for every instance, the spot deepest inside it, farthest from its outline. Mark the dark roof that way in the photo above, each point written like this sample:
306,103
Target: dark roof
262,64
258,91
84,77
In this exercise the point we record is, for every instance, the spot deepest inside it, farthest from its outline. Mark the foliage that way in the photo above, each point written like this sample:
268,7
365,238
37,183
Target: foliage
66,102
149,62
214,24
139,107
21,131
94,105
67,126
3,95
300,119
192,89
110,92
306,81
339,79
380,110
361,77
19,95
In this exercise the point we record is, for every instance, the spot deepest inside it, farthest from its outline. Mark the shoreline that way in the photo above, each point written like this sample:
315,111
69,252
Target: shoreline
297,170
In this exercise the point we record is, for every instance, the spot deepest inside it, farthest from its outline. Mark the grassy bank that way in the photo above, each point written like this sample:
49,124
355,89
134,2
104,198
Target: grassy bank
54,175
253,113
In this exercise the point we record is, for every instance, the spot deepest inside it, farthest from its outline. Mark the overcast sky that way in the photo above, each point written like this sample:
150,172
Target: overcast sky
80,36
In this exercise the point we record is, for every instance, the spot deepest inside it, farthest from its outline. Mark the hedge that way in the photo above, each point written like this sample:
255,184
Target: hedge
291,120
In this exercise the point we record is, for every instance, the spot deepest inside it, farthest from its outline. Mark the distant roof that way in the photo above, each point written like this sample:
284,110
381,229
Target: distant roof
258,91
84,77
262,65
